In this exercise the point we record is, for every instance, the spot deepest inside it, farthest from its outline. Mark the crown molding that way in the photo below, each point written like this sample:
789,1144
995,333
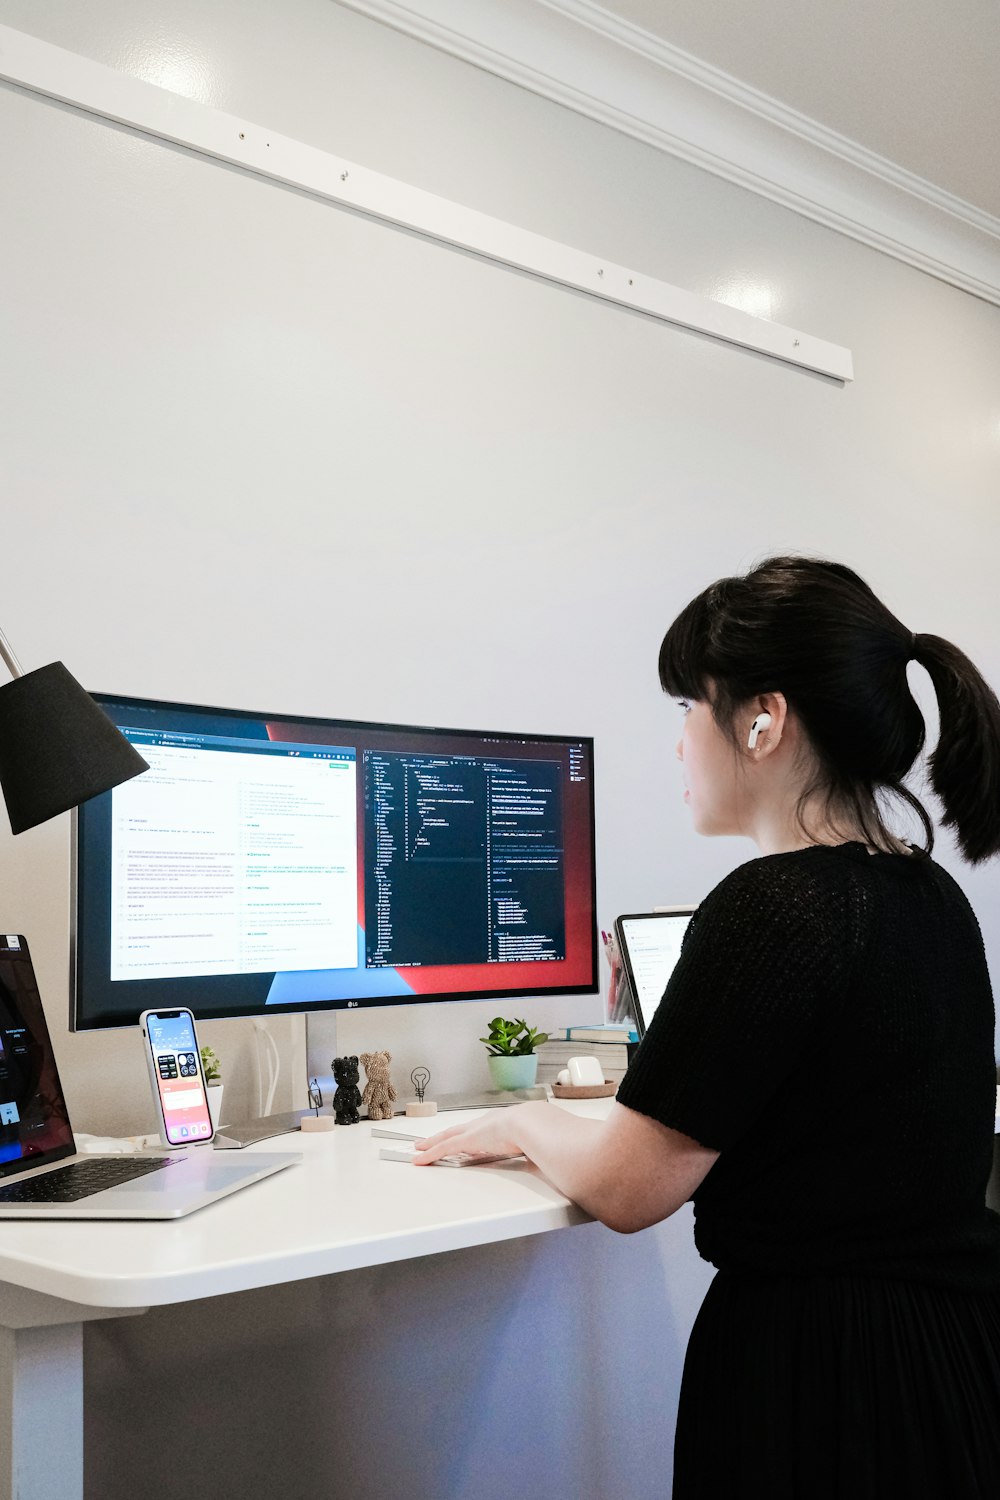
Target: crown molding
578,55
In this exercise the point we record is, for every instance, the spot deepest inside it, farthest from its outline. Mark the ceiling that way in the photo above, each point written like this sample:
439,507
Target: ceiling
917,81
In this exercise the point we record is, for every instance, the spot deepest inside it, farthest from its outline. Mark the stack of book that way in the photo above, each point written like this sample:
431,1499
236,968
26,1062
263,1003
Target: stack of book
611,1044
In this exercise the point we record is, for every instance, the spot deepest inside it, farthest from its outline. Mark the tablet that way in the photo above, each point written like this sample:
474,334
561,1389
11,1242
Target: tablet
650,945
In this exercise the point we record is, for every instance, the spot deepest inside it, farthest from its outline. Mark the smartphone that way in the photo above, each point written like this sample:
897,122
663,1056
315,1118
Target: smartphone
176,1077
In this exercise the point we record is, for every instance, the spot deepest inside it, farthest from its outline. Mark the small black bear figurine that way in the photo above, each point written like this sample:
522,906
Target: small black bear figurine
347,1099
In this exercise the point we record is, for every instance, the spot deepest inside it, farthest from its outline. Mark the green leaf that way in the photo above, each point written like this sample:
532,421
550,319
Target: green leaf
211,1065
512,1038
502,1034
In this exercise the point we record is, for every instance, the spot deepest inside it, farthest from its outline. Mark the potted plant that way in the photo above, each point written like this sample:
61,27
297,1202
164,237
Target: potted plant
511,1046
212,1069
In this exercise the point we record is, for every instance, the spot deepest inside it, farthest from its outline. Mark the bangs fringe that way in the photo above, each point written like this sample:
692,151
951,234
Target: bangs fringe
683,663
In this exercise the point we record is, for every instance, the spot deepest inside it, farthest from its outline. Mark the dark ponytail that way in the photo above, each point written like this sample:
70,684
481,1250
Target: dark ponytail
816,632
965,766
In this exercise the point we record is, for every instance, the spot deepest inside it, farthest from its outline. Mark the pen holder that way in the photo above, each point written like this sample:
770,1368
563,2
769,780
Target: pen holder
623,1008
621,1002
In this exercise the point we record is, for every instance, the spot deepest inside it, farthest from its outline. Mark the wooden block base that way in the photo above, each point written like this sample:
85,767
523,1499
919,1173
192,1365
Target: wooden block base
417,1111
316,1124
603,1090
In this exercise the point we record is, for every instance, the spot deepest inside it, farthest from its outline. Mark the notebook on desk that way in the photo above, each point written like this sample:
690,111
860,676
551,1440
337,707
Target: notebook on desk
41,1175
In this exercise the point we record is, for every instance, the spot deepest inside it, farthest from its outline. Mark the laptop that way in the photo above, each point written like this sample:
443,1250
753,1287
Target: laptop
41,1174
650,945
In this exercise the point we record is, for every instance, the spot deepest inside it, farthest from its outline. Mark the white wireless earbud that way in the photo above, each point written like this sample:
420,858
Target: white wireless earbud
762,721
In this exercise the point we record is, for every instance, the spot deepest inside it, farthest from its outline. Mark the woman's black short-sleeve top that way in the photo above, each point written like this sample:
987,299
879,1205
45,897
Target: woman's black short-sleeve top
828,1029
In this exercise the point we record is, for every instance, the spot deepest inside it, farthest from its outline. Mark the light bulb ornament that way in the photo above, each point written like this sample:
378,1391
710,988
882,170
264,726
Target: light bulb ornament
420,1078
421,1107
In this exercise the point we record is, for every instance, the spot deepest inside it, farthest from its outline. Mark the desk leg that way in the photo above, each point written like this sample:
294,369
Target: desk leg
41,1392
41,1413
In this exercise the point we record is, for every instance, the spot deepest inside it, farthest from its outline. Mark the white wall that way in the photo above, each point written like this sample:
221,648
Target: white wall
262,453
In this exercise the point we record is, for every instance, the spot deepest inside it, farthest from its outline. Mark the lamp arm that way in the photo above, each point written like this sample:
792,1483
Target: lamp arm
13,665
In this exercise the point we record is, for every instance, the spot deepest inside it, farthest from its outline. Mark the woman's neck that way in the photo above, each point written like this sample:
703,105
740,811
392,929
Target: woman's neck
784,831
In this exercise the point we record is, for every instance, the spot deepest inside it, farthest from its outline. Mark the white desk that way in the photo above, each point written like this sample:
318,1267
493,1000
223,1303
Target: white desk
590,1329
340,1209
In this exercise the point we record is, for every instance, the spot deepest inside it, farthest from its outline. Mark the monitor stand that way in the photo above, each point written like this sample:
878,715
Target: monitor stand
249,1132
235,1137
232,1137
485,1098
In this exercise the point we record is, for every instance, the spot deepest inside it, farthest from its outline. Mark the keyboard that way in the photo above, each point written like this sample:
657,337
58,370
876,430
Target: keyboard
81,1179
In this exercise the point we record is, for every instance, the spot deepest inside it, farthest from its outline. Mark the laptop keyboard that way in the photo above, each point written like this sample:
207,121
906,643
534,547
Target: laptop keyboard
81,1179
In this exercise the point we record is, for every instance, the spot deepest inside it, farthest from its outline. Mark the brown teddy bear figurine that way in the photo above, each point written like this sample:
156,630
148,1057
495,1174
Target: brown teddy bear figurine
379,1092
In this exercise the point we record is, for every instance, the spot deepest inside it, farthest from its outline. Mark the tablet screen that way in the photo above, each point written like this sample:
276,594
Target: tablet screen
650,944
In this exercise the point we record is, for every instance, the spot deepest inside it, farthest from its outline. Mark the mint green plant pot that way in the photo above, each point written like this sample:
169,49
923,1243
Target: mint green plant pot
513,1072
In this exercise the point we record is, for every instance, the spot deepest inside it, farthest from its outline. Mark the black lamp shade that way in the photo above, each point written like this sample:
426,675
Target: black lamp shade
57,747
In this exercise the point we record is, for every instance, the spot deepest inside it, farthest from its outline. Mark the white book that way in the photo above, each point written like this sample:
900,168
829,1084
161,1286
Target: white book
605,1034
577,1046
610,1054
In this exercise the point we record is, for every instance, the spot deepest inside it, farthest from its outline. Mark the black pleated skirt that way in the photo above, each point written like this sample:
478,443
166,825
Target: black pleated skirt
840,1388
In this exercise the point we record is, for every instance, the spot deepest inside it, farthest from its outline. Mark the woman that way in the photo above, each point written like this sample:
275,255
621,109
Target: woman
819,1076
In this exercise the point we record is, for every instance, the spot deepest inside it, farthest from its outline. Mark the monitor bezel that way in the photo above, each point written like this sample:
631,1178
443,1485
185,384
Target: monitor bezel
80,1021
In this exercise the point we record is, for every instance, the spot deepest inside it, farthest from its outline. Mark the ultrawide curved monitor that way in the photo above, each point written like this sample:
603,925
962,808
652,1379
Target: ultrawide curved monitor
267,864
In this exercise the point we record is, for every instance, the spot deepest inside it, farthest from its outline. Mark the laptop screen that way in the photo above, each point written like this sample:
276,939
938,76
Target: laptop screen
650,945
34,1122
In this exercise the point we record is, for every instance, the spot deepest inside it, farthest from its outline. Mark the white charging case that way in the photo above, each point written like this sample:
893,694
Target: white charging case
584,1072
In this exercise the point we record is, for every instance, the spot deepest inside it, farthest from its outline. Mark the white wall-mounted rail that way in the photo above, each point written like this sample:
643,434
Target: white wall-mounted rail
58,74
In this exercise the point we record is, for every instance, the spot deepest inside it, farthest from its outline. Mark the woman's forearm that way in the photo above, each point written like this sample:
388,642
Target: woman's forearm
628,1171
567,1150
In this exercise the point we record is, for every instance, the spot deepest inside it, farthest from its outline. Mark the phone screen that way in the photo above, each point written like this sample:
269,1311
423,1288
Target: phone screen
177,1070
